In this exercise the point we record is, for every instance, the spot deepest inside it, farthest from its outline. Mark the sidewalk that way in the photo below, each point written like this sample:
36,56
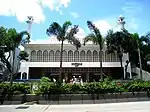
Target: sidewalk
111,107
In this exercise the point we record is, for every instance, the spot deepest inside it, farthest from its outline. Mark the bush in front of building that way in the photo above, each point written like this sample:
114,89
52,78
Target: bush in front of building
16,88
103,87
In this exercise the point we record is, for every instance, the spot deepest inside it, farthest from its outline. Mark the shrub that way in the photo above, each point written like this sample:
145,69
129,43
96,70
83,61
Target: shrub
106,86
16,88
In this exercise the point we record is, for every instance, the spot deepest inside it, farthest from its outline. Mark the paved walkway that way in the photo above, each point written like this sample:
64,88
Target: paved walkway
112,107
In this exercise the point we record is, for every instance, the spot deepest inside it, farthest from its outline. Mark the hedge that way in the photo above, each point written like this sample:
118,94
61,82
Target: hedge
87,88
95,87
16,88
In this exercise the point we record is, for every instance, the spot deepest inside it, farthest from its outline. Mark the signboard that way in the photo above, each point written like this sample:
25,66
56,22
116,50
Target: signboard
76,64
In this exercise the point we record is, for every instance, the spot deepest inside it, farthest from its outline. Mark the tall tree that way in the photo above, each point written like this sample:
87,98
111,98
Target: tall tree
63,33
96,37
137,44
10,39
116,42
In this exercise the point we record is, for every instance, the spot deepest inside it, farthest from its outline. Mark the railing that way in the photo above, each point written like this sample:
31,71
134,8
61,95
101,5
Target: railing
146,75
78,98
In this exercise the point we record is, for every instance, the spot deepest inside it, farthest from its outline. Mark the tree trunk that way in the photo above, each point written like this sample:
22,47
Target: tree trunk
11,75
100,60
61,56
122,70
139,54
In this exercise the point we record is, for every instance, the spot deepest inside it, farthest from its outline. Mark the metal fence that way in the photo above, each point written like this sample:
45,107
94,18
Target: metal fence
93,98
78,98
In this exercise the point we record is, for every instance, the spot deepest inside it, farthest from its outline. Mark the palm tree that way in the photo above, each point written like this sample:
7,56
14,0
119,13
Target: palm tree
116,42
137,43
63,33
96,37
17,39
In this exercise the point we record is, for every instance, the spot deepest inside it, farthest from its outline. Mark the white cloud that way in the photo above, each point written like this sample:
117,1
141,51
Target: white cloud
23,8
53,40
74,14
103,26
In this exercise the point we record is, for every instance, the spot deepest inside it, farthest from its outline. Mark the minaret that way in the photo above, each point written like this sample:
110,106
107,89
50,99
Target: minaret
121,22
29,22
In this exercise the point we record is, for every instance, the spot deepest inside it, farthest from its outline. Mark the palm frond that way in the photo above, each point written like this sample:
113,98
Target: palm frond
94,29
24,36
66,26
91,37
55,30
70,35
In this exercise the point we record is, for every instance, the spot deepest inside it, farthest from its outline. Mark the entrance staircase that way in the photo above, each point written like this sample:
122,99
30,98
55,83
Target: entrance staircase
145,74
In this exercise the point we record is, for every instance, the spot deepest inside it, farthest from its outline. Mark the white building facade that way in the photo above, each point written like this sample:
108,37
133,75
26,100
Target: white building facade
44,59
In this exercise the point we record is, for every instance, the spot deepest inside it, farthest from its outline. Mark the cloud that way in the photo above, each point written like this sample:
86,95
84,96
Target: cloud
103,26
74,14
53,40
23,8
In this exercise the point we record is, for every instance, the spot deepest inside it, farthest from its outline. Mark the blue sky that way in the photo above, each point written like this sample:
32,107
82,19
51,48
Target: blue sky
103,13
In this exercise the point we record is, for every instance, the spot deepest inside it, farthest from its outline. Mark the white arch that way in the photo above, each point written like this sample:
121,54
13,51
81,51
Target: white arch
76,56
51,56
57,56
89,56
82,56
39,56
33,56
70,56
45,56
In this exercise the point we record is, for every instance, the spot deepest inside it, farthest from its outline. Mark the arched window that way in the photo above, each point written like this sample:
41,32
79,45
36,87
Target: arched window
64,56
76,56
113,57
117,58
33,56
45,56
51,56
70,56
102,54
82,56
39,56
89,56
107,57
95,56
57,56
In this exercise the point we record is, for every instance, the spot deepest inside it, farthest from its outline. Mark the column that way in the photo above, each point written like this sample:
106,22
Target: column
21,76
87,77
27,73
129,70
66,76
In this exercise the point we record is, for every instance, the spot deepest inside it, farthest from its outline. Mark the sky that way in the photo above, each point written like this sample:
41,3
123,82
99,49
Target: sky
103,13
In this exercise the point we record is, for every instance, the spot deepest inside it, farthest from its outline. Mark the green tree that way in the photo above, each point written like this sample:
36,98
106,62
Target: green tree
116,42
96,37
10,39
23,55
136,45
63,33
